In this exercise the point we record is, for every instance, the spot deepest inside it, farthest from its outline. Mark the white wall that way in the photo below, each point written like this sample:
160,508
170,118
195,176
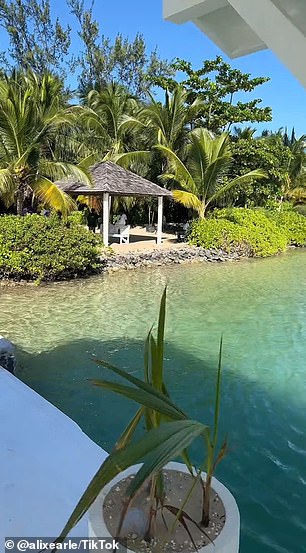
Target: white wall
46,462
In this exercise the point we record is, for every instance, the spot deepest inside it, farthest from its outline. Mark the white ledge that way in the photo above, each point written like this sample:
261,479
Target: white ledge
46,462
240,27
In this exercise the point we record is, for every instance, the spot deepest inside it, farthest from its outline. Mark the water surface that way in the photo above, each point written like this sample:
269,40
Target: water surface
259,306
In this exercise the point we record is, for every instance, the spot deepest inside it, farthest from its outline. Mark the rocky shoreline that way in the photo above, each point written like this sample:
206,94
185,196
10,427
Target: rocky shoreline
173,255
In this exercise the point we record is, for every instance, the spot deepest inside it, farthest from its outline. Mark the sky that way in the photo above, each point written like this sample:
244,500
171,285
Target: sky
283,92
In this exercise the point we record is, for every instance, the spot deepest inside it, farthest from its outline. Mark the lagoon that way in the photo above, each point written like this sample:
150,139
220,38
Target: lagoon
260,308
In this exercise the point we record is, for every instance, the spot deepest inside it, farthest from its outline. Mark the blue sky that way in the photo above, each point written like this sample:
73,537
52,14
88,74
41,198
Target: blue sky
283,93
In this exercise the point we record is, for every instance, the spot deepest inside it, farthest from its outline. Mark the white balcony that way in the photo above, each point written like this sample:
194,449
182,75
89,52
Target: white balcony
240,27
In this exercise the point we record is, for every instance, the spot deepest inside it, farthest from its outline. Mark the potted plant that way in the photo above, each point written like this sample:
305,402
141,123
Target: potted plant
139,493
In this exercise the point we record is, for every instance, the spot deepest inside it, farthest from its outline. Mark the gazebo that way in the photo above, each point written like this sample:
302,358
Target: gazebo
109,180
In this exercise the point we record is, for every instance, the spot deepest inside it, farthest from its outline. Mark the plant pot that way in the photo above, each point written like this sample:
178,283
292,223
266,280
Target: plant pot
226,542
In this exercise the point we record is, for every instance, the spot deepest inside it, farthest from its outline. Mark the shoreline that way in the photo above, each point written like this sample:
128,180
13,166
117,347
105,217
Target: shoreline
177,255
174,255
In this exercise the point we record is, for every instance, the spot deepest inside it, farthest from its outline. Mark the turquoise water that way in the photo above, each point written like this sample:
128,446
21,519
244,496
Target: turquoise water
259,306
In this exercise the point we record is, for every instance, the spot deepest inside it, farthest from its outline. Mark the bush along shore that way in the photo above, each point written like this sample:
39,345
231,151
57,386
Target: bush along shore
229,234
46,249
38,248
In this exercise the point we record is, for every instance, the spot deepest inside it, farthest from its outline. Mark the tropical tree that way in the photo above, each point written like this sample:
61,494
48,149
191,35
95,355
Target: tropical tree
37,40
219,87
249,154
293,178
32,115
112,120
102,60
244,133
169,122
166,123
202,178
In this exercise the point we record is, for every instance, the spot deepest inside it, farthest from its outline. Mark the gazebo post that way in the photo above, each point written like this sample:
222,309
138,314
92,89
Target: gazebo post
159,220
105,217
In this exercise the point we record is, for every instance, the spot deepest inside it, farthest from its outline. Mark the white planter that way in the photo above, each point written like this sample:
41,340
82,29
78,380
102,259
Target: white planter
226,542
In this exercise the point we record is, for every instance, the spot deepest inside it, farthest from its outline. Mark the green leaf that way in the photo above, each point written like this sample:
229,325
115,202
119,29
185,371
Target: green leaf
151,399
175,437
158,373
139,383
169,435
127,434
146,360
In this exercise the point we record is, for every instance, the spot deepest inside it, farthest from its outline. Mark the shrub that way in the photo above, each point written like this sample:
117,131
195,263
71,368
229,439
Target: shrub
246,231
77,218
292,224
276,205
40,248
220,234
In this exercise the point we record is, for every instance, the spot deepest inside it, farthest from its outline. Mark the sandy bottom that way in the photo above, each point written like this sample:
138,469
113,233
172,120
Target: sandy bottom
177,486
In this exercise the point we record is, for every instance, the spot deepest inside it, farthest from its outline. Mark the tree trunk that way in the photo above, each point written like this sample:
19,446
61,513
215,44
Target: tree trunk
20,200
206,502
202,211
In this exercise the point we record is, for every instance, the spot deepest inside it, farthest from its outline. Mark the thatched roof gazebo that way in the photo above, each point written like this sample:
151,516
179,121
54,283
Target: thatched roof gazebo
109,180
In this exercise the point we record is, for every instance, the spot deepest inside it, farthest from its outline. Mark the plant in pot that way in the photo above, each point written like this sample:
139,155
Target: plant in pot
139,493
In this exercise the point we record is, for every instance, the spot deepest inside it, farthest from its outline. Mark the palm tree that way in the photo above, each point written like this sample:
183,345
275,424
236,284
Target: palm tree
166,123
32,115
293,183
203,177
172,120
245,133
112,120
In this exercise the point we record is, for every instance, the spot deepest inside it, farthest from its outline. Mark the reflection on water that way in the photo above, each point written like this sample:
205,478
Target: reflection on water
260,308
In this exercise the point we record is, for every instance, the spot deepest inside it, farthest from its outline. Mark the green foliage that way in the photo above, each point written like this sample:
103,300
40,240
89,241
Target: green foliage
246,231
216,83
282,158
273,158
292,224
112,123
32,114
40,42
203,179
277,205
37,40
125,61
219,234
41,248
171,120
77,218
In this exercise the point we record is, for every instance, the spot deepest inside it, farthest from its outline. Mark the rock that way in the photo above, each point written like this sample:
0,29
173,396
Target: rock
135,522
7,355
174,255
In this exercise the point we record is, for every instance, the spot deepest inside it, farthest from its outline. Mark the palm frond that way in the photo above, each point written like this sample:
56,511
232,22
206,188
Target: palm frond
53,196
191,201
58,170
179,169
129,158
7,186
155,448
257,174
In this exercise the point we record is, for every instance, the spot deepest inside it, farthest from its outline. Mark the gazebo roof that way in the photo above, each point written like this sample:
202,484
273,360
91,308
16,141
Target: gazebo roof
117,181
